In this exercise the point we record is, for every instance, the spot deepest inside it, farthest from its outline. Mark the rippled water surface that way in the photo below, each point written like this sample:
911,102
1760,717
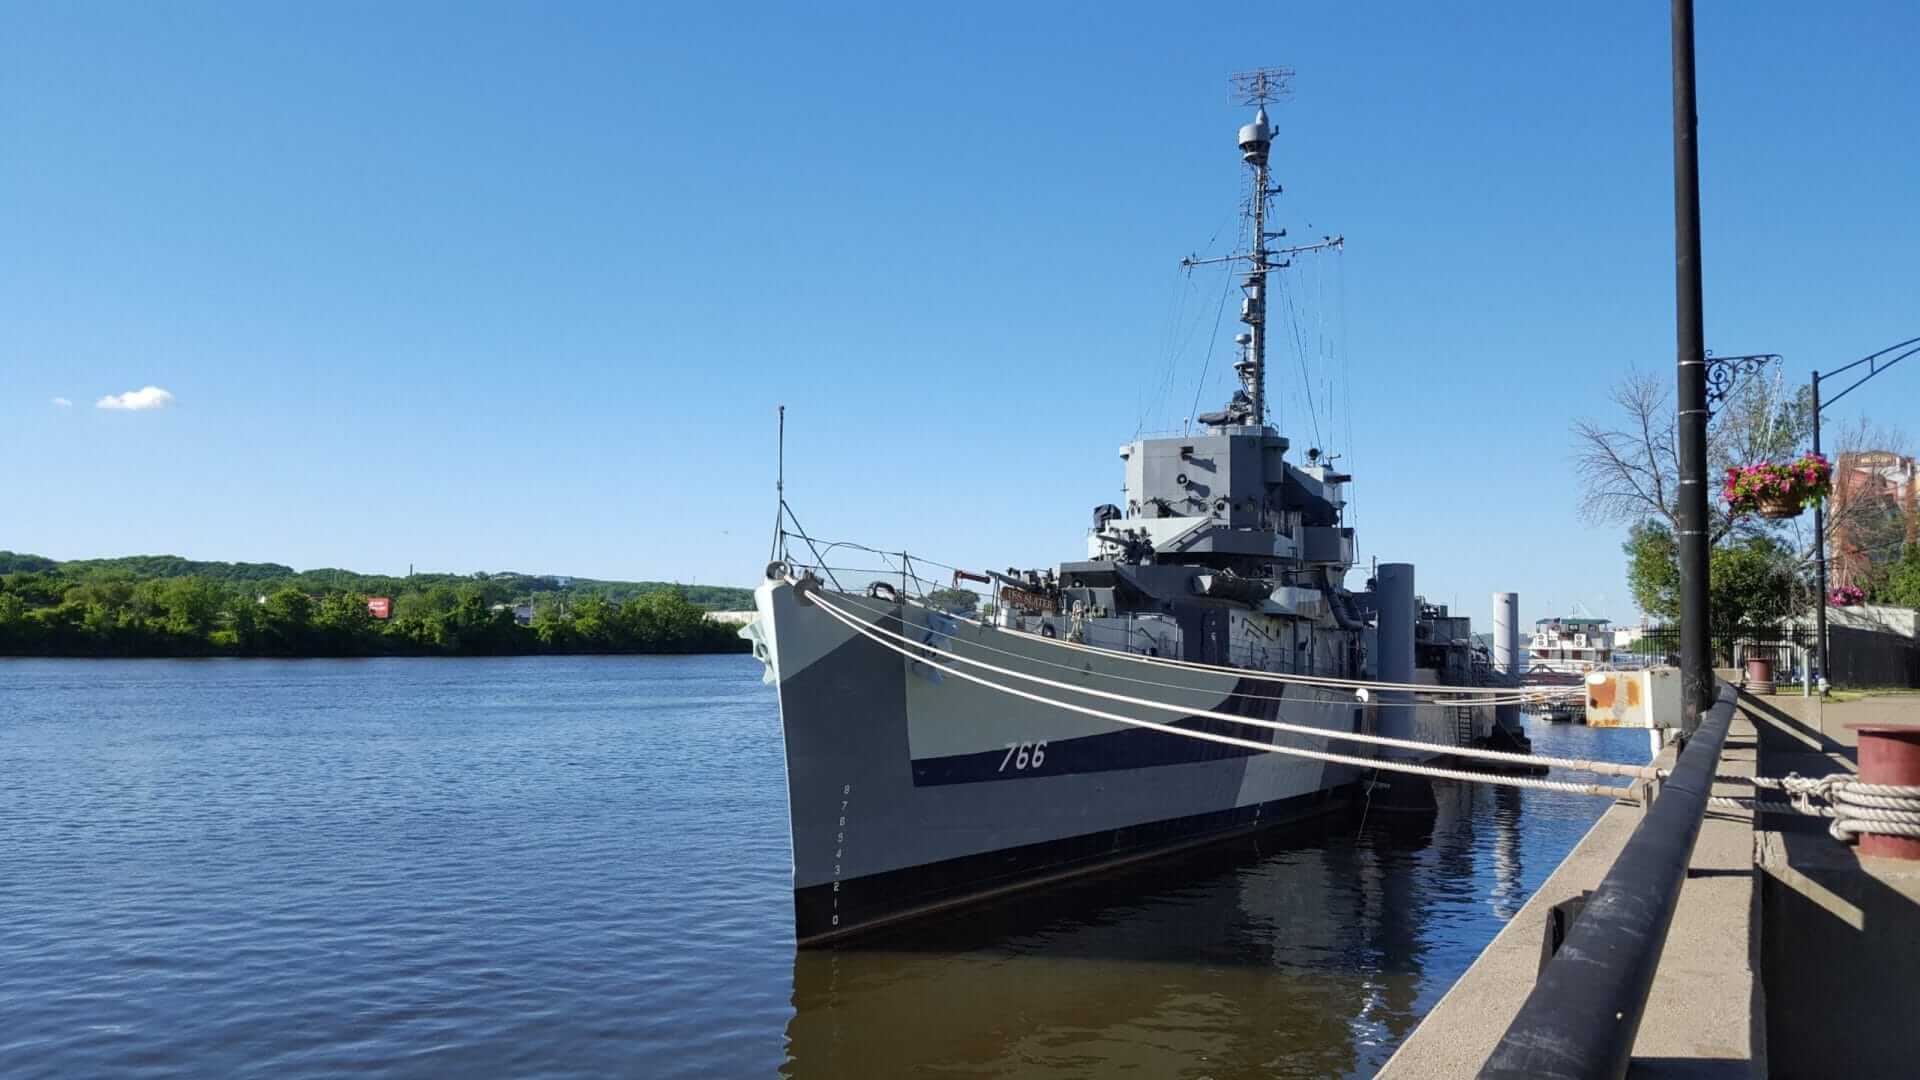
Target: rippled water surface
579,866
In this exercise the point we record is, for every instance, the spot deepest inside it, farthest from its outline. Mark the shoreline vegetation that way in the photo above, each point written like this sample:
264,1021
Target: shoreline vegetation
166,606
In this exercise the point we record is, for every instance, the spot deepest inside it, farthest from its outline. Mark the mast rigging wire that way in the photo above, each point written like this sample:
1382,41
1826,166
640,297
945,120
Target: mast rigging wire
1213,340
1300,351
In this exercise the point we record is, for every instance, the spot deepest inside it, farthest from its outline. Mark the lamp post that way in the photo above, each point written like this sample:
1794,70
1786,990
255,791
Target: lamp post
1690,518
1876,363
1703,382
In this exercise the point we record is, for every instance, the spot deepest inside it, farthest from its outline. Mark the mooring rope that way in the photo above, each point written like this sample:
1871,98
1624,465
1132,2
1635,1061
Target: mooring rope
917,652
1523,699
1853,806
1285,678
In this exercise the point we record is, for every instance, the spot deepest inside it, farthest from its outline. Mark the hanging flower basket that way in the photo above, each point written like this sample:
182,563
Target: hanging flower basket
1846,595
1777,491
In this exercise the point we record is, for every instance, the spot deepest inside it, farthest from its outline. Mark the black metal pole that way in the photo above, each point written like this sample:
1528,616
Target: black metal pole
1696,657
1819,557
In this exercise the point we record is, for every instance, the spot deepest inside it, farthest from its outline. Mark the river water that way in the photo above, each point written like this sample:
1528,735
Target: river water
579,866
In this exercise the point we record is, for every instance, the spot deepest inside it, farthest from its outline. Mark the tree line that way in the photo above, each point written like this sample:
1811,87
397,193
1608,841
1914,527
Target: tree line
59,611
495,587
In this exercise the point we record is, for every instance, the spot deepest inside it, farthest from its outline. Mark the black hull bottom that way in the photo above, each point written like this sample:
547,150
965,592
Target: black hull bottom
888,899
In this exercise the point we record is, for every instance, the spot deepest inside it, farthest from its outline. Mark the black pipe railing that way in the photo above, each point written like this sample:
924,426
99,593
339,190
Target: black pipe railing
1585,1008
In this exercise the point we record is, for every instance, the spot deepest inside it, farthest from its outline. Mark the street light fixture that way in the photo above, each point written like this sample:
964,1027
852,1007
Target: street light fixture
1876,363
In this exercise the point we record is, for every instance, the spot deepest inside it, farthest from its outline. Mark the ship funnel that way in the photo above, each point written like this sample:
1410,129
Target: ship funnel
1256,137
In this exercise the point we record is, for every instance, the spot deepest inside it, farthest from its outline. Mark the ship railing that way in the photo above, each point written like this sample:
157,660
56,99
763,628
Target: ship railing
1585,1008
854,567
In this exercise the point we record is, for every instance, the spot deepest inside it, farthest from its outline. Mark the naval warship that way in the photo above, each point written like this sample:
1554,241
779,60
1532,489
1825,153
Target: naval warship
1220,586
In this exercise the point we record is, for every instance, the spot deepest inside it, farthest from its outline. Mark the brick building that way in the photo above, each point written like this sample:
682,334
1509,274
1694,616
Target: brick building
1876,508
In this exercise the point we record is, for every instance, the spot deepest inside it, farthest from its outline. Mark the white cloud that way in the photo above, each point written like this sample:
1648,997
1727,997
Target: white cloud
63,403
147,397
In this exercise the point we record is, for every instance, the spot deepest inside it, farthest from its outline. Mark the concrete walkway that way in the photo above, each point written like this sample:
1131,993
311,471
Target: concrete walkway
1701,1017
1789,954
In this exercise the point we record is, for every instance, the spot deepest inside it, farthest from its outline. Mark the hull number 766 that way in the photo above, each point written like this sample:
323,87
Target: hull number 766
1024,755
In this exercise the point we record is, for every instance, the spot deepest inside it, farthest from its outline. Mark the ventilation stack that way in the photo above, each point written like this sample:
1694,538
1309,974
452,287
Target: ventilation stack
1507,734
1398,612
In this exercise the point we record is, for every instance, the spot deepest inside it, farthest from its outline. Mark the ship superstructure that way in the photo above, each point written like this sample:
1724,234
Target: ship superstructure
911,789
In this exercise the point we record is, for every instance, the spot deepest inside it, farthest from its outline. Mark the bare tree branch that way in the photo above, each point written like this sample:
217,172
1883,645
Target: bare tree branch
1627,476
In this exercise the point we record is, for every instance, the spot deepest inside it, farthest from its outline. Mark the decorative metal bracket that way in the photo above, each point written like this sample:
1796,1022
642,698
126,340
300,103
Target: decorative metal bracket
1724,373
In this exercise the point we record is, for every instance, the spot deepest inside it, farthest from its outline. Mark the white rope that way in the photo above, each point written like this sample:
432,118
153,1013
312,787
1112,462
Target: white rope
916,652
1606,768
1264,676
1854,806
1528,698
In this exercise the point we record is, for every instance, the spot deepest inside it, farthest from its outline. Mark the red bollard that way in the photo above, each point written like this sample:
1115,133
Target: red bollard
1889,754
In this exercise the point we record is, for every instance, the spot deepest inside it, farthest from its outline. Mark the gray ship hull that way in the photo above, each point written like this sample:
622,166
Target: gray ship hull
911,790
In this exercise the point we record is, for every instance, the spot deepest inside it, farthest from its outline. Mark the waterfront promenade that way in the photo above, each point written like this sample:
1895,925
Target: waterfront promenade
1787,953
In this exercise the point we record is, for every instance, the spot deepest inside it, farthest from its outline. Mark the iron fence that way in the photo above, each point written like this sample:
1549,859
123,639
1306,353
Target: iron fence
1788,648
1855,658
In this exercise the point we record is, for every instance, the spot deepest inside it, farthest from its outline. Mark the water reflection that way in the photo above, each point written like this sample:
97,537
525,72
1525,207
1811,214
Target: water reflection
1159,969
1508,893
581,863
1308,953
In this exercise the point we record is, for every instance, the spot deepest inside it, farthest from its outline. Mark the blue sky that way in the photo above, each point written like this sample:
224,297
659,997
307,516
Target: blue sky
488,286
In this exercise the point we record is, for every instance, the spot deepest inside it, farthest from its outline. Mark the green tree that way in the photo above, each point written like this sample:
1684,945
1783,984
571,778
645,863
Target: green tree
37,590
552,627
476,628
594,622
1751,581
169,606
239,623
342,625
1653,569
285,626
664,622
1900,585
190,607
13,622
1750,586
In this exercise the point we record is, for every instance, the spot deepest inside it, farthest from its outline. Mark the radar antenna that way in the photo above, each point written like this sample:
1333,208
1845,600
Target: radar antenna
1260,86
1257,88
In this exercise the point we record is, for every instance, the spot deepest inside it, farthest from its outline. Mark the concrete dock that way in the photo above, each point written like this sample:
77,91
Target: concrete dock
1789,955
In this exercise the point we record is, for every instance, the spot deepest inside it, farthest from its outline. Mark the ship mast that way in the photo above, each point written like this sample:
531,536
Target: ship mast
1257,88
1255,140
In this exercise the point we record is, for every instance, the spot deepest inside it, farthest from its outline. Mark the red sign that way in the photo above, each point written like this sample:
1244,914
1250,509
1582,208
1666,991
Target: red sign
380,607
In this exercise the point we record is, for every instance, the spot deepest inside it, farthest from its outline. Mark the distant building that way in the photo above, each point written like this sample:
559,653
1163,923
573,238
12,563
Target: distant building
522,613
1874,511
1572,644
732,618
380,607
